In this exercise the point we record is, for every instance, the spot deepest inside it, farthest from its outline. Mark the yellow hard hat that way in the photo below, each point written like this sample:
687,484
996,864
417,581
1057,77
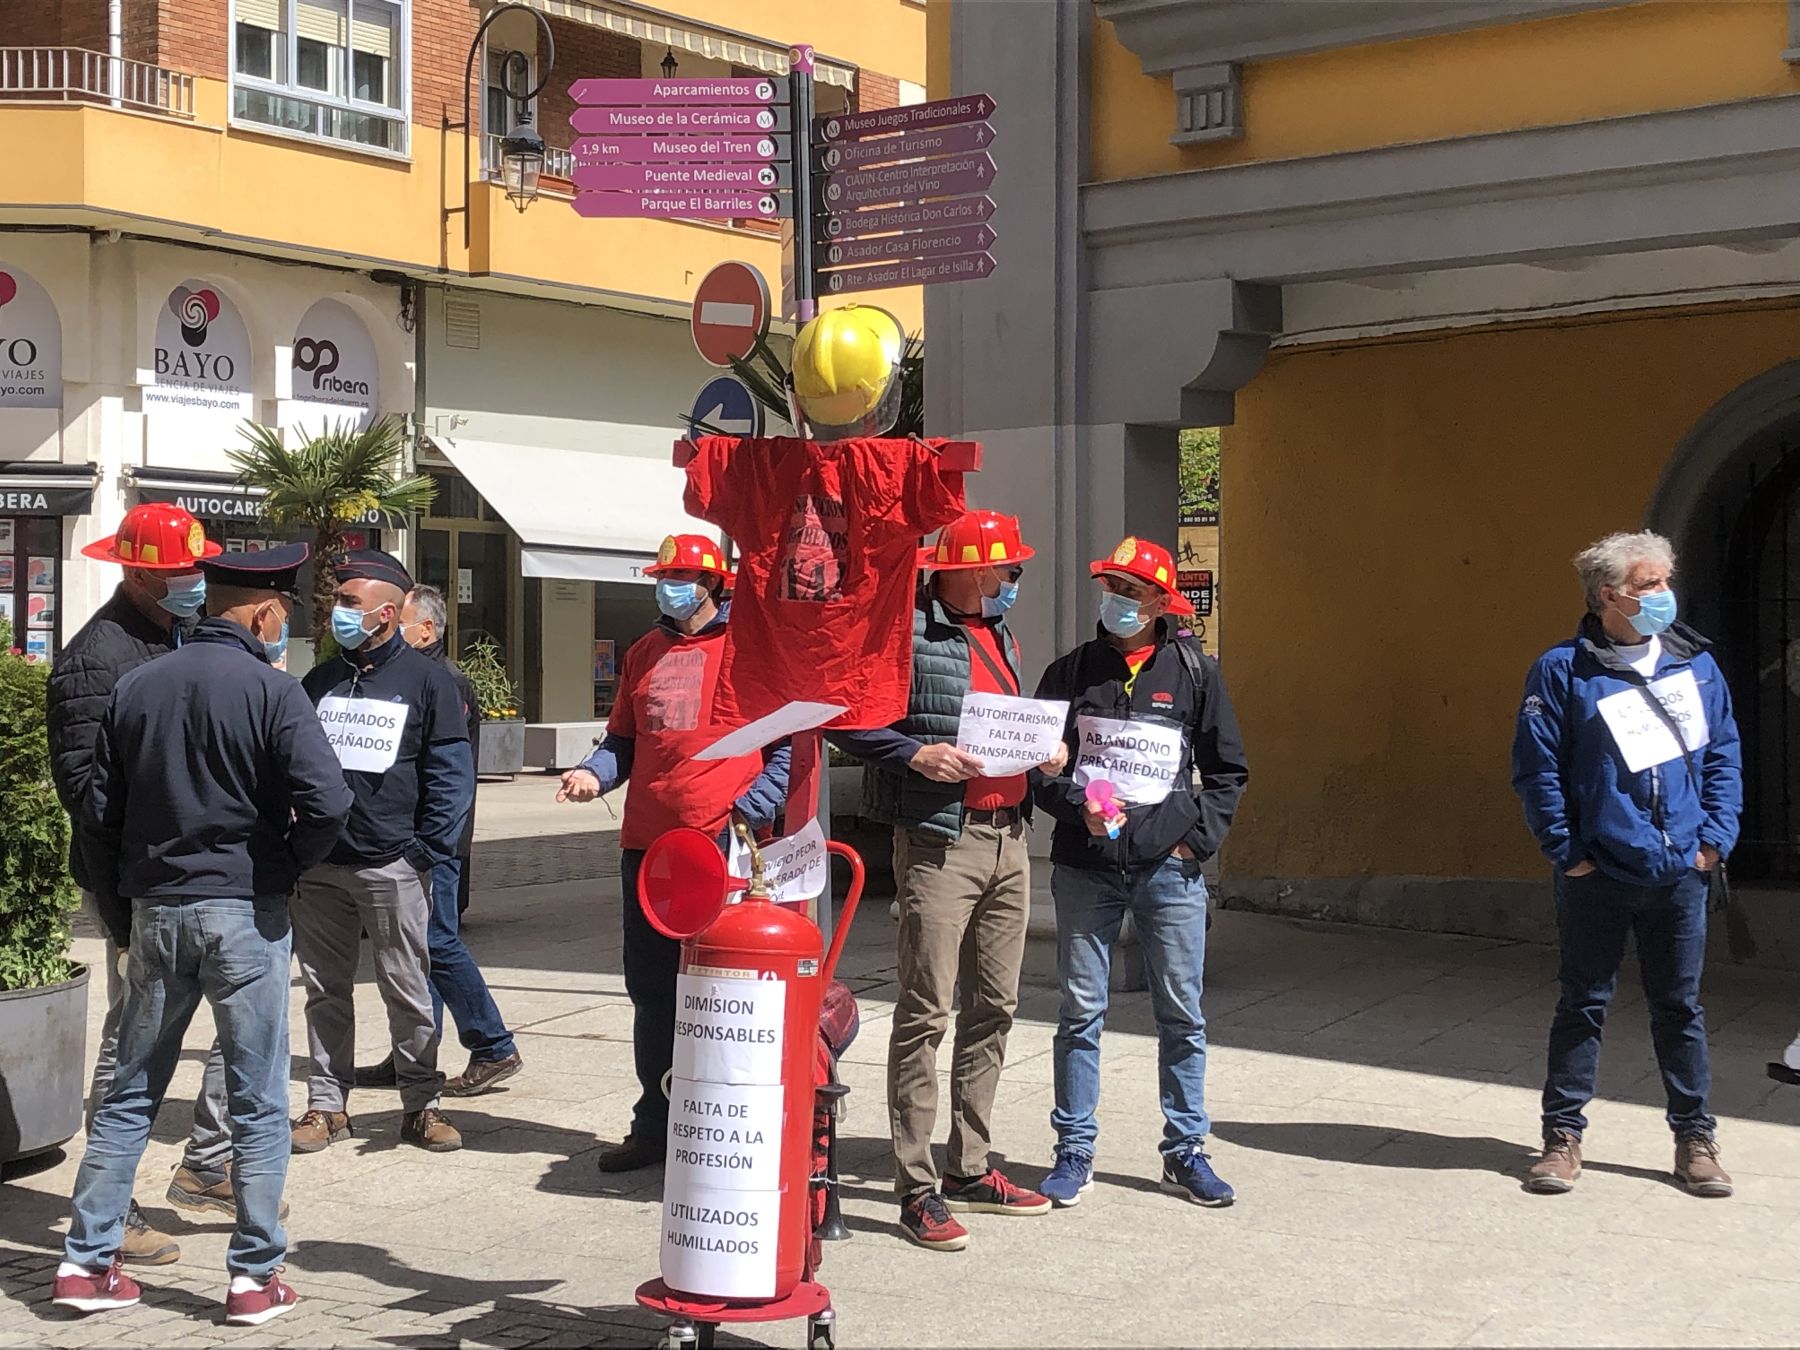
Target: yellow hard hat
845,371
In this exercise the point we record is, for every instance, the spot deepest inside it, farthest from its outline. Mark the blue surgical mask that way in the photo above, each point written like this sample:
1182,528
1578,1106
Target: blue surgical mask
1120,615
678,599
1656,611
993,606
185,595
277,650
347,628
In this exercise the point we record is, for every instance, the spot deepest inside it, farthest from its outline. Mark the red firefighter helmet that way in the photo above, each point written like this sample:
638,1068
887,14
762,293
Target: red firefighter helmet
977,539
1149,562
690,553
156,535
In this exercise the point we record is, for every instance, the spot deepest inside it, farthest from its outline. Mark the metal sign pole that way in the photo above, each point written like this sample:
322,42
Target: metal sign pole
800,101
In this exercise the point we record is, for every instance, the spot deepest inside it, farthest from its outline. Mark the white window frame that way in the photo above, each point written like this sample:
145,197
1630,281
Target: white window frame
400,113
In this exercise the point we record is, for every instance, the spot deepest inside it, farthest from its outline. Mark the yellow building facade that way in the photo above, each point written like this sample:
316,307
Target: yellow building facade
1467,286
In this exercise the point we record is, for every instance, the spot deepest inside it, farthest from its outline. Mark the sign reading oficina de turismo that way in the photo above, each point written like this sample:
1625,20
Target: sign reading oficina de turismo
202,354
30,343
336,373
721,1184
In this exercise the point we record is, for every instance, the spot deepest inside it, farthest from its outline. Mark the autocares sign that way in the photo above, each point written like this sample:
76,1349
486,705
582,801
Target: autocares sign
30,343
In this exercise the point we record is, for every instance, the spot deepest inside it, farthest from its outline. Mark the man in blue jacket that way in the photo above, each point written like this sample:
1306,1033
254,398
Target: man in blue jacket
398,725
1627,759
212,788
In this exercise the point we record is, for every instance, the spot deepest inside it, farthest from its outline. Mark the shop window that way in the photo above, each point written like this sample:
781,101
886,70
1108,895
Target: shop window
331,69
31,582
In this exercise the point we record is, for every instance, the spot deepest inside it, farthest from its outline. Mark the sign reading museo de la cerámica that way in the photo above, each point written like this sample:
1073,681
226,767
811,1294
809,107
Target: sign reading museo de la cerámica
30,343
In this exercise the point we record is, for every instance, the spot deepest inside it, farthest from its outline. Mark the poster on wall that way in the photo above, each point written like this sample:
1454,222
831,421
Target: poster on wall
30,343
40,611
6,538
6,608
37,646
336,375
202,357
605,672
6,574
40,574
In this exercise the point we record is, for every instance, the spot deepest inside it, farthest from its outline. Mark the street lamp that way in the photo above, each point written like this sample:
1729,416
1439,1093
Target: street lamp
669,64
521,149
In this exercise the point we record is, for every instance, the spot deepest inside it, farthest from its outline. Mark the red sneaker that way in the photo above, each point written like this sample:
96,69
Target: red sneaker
925,1221
89,1292
992,1194
256,1306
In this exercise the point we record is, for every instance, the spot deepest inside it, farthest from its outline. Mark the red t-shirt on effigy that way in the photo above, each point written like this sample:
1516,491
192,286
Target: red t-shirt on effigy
827,535
667,684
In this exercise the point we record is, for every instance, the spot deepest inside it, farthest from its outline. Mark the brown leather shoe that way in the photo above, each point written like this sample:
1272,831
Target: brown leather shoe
431,1130
1559,1167
143,1245
1697,1166
318,1130
484,1075
188,1191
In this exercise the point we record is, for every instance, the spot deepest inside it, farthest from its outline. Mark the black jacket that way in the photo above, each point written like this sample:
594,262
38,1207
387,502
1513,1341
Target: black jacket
212,779
116,640
1092,678
415,808
465,846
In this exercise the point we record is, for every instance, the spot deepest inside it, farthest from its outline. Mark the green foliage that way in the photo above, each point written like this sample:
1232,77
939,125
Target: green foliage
484,666
1200,468
36,892
324,482
766,378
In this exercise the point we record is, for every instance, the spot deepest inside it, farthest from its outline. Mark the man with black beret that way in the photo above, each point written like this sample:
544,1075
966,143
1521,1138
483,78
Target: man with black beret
212,789
400,730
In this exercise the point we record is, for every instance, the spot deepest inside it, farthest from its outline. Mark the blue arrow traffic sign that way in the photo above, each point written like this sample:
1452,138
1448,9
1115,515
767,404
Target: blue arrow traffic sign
726,403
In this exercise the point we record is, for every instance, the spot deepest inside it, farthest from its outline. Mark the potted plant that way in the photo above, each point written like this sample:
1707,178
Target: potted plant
43,995
502,728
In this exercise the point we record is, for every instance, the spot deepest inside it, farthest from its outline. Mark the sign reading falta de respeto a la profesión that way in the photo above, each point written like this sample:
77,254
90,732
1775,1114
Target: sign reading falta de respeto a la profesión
30,343
202,356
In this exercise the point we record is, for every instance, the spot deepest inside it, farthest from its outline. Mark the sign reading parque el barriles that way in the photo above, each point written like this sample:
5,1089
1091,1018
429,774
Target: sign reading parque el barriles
202,354
30,343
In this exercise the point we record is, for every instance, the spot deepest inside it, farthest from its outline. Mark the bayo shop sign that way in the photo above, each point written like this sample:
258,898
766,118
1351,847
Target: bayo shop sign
202,355
30,343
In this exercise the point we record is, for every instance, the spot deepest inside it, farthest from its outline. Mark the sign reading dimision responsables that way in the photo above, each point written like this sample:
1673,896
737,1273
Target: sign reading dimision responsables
336,374
30,343
202,356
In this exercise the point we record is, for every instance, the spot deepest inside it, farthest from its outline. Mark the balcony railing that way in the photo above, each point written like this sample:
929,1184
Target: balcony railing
558,163
77,75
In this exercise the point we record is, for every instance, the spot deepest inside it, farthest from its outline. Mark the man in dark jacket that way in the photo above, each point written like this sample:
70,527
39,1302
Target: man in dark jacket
1147,713
455,978
212,788
1626,756
964,879
153,605
398,725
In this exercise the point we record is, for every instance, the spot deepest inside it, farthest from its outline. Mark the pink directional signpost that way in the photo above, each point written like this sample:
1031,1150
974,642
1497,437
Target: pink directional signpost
888,197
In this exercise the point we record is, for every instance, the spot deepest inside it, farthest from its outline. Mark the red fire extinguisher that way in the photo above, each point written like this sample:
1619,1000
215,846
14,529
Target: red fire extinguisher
737,1192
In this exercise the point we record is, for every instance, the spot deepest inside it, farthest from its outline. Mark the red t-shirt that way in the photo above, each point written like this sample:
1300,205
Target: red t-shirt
667,684
992,676
827,534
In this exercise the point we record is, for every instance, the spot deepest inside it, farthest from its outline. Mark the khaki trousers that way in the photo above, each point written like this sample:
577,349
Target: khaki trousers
963,910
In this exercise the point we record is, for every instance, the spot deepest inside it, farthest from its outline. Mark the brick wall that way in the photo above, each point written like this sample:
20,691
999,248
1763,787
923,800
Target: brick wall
441,33
53,23
875,90
190,35
582,53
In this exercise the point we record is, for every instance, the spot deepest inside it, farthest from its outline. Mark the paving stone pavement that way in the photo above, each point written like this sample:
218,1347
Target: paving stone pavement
1374,1101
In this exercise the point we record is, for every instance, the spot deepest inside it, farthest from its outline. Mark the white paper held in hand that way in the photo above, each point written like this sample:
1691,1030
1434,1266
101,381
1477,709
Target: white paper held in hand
1009,735
777,726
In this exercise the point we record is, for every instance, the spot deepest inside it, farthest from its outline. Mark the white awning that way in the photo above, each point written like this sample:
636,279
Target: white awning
668,30
581,515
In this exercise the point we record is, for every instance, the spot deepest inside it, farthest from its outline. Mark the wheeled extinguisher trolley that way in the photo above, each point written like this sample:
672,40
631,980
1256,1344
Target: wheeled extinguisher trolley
739,1178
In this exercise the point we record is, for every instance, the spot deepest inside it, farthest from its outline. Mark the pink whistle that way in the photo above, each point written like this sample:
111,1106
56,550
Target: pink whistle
1100,792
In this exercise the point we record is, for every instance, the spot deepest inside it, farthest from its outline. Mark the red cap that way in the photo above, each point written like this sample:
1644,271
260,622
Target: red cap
689,553
156,535
1149,562
977,539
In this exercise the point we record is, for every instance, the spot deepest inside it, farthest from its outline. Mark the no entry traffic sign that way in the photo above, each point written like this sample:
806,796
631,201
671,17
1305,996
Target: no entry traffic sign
731,313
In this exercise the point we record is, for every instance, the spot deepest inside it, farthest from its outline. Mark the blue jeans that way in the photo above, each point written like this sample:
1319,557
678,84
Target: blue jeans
1596,914
1168,907
456,980
234,954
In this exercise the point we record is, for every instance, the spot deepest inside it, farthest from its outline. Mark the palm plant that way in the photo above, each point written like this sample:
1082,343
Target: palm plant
324,482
